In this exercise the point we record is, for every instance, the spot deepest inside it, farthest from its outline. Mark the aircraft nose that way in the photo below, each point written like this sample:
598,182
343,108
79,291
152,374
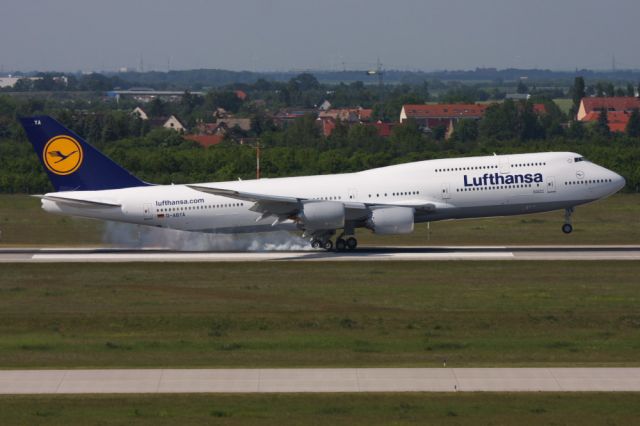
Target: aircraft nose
618,181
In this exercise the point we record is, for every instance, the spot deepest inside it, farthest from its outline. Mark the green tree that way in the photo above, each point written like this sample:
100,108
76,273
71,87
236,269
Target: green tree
157,108
528,124
303,132
226,99
406,137
602,125
576,130
23,85
631,91
304,82
633,126
465,131
522,88
577,93
500,121
610,89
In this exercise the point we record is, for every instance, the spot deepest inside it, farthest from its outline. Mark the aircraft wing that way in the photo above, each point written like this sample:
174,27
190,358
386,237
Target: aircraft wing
423,205
281,205
265,204
78,202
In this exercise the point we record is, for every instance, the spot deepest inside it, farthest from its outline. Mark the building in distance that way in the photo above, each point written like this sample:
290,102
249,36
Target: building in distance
610,104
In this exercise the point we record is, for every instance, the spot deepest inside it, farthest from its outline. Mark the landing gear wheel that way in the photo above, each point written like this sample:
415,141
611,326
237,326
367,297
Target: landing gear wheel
341,244
316,244
328,245
352,243
567,228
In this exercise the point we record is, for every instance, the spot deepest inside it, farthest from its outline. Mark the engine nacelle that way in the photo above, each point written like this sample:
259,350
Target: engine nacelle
322,215
391,220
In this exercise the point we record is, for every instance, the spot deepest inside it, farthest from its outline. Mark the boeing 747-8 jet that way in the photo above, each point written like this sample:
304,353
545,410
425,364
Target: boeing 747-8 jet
386,200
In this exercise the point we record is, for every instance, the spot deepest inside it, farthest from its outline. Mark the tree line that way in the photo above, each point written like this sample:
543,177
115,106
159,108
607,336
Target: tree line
163,156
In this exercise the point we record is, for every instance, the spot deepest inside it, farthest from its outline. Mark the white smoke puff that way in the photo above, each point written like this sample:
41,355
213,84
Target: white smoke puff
138,236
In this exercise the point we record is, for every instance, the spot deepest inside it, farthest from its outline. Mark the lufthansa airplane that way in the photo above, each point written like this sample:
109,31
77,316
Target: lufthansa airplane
386,200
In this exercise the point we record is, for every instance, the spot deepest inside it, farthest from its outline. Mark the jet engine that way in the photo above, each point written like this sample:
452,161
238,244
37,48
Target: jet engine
391,220
322,215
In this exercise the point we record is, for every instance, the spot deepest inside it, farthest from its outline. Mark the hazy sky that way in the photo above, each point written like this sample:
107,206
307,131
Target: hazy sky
69,35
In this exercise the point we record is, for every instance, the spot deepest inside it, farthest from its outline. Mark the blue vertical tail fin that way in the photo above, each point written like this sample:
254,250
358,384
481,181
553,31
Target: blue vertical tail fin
70,162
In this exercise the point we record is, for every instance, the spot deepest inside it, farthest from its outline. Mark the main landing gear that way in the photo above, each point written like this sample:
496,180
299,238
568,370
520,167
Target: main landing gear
349,244
327,245
342,244
567,227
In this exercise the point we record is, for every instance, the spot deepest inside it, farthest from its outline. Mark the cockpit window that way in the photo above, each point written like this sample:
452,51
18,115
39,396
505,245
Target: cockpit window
579,159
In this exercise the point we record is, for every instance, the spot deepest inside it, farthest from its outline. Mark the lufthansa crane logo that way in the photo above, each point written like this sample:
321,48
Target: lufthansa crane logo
62,155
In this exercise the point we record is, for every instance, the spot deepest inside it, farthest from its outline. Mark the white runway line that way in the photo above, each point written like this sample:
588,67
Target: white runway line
261,257
322,380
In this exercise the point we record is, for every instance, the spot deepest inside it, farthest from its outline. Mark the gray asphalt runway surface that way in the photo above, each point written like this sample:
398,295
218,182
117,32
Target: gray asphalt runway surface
62,254
321,380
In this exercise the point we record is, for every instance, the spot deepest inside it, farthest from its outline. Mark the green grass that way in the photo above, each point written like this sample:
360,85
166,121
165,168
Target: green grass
333,409
614,220
610,221
24,223
320,314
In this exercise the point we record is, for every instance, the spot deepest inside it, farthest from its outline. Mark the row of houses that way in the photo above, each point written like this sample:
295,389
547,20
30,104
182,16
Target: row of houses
618,110
428,117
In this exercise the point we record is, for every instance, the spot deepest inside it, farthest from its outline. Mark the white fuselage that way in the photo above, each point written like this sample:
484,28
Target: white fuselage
458,187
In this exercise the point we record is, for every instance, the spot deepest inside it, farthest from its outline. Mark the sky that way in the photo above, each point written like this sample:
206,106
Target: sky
285,35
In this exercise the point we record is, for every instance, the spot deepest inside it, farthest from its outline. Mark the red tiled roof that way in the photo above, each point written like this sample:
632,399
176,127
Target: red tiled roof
611,104
205,140
617,119
539,109
241,95
365,114
384,129
327,125
445,110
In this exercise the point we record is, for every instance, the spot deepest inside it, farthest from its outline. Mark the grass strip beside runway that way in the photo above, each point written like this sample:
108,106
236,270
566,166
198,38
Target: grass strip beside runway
482,314
611,221
339,409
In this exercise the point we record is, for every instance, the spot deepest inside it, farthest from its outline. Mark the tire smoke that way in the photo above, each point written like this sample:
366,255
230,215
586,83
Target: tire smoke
138,236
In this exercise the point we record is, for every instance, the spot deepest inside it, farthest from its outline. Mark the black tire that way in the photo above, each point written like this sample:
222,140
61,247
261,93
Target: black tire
567,228
328,245
352,243
341,244
316,244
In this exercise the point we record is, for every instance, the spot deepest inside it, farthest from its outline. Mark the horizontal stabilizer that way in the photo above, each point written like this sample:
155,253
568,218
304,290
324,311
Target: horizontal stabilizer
76,202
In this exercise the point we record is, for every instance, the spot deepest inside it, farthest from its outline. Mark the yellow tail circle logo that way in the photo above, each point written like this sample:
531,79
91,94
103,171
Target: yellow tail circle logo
62,155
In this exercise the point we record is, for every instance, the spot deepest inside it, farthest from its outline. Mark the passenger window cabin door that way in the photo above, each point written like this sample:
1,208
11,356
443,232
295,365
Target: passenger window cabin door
445,191
352,193
551,184
146,211
505,165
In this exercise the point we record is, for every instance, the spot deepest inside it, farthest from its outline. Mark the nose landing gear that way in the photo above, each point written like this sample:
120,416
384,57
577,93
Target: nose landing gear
567,227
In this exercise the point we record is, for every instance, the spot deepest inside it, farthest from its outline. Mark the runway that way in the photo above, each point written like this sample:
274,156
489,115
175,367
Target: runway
425,253
320,380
